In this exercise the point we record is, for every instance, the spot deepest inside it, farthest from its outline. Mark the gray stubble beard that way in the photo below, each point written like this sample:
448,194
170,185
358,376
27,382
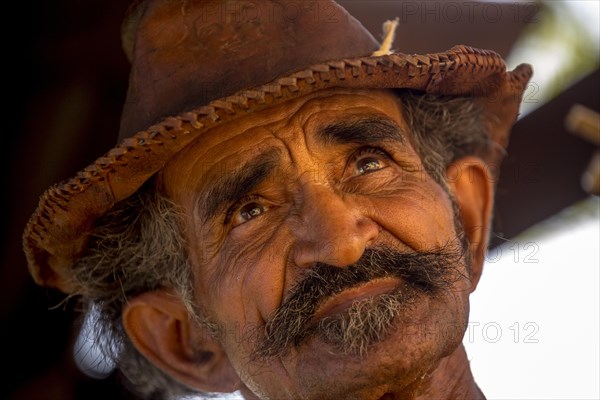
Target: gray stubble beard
367,322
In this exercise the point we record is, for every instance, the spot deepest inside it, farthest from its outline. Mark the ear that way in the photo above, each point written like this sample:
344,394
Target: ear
473,187
159,326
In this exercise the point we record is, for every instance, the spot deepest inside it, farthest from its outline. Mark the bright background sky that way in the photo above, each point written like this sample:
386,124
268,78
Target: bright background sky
534,324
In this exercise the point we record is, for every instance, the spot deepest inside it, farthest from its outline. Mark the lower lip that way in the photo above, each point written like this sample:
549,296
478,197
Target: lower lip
344,300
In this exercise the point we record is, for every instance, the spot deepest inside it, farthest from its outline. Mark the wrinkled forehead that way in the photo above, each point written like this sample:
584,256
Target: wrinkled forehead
298,124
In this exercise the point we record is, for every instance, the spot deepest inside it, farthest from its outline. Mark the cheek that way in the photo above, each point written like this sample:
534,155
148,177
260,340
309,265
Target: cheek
240,309
449,327
421,217
243,284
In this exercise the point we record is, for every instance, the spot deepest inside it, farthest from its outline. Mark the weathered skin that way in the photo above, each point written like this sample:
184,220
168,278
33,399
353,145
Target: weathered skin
316,206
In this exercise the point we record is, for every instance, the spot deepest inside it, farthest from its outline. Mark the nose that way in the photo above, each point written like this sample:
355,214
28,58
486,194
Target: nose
332,230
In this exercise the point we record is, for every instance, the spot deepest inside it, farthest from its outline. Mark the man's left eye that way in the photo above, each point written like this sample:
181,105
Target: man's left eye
369,160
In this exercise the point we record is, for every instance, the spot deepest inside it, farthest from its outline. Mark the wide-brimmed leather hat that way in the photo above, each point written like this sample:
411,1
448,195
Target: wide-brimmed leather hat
197,64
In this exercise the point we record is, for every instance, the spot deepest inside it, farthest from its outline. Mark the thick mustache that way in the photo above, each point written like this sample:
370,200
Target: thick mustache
425,272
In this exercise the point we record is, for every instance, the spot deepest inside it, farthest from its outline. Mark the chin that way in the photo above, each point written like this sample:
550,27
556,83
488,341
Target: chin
398,363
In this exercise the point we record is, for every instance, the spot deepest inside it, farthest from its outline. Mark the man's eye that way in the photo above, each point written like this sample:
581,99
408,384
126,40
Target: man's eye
368,164
245,209
251,210
369,160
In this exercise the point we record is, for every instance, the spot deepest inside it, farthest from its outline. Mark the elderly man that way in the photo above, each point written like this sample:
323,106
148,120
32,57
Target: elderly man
293,211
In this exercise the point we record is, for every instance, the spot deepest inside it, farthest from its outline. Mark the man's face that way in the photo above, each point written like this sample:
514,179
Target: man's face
326,256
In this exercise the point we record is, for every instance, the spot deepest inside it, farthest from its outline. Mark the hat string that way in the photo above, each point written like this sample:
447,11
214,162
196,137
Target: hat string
389,33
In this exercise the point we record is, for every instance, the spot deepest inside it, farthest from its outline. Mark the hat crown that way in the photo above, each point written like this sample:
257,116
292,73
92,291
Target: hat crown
187,53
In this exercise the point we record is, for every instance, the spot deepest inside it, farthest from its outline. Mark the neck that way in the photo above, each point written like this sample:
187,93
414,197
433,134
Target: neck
452,379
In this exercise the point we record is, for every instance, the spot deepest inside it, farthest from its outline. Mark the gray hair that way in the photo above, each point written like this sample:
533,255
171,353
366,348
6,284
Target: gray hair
139,245
444,129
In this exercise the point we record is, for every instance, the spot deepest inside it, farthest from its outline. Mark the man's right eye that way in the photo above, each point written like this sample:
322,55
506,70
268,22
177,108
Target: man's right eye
245,209
251,210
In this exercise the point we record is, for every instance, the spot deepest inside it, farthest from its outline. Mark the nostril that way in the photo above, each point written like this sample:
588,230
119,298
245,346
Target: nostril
370,231
342,251
338,245
345,250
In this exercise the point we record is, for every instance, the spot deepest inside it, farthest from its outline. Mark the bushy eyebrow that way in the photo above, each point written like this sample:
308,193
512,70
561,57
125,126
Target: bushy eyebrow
236,184
363,130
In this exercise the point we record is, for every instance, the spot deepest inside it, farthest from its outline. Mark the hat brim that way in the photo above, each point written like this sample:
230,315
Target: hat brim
57,233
